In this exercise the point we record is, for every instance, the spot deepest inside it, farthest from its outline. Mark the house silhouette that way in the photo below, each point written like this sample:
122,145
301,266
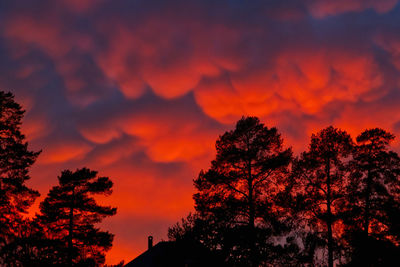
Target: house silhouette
176,254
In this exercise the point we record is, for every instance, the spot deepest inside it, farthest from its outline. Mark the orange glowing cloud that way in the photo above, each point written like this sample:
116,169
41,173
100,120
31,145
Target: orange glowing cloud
113,152
159,129
315,78
164,137
355,120
300,80
115,64
171,66
140,90
34,128
64,151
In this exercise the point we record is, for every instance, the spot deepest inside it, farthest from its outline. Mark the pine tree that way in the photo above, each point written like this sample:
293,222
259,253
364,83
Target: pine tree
69,215
15,161
236,195
320,175
374,196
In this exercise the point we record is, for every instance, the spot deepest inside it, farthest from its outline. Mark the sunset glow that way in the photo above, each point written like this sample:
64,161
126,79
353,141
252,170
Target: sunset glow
141,90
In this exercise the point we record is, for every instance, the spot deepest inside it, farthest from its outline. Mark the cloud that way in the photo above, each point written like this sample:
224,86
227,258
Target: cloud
169,60
298,81
68,49
81,6
323,8
63,151
140,90
160,128
390,42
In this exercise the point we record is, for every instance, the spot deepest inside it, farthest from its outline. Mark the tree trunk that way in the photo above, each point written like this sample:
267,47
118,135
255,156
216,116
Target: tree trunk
329,214
253,254
367,204
70,229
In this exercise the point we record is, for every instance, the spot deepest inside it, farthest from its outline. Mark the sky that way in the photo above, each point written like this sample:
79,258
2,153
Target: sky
140,90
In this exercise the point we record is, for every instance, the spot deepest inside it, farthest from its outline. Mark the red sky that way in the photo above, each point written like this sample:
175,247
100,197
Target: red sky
140,90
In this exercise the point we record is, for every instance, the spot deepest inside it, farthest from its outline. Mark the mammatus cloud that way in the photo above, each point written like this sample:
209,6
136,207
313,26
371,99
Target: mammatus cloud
140,90
64,150
296,81
161,130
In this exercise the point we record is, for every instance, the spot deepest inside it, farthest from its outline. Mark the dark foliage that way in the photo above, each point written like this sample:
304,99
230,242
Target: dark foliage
320,176
65,232
69,215
236,195
15,160
372,218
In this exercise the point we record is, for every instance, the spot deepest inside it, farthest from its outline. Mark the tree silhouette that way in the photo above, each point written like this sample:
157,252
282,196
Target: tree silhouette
69,215
30,247
339,195
187,229
236,195
15,160
320,175
373,195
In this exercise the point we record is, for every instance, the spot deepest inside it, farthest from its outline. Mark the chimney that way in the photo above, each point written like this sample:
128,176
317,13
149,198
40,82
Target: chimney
149,242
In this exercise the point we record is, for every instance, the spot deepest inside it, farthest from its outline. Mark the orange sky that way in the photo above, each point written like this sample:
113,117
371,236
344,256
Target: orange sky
141,90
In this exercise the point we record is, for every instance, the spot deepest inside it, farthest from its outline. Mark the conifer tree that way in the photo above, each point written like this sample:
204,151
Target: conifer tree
70,214
236,195
15,161
373,197
320,175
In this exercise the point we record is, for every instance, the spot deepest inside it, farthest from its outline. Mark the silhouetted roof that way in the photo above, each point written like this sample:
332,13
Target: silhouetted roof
175,254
